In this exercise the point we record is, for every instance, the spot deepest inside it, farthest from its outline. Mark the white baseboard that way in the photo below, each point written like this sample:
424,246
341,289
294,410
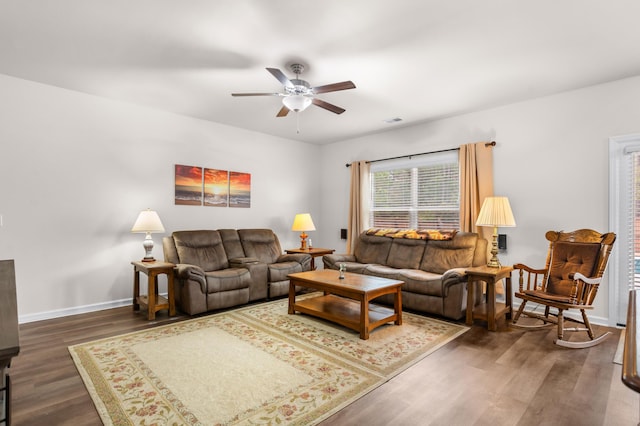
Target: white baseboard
41,316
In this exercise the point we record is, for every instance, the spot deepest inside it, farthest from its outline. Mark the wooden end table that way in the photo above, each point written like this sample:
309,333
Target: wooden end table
314,252
153,301
491,310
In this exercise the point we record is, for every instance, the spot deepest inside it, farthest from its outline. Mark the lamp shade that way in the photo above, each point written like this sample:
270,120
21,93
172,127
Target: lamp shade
496,211
148,221
296,102
303,222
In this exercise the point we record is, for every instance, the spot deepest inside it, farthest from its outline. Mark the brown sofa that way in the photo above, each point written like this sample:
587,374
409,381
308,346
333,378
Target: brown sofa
432,270
223,268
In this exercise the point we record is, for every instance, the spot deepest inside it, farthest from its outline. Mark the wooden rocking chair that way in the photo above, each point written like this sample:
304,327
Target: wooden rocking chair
576,262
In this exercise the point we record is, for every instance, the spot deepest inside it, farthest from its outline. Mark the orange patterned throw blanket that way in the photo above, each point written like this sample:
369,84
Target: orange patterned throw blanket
416,234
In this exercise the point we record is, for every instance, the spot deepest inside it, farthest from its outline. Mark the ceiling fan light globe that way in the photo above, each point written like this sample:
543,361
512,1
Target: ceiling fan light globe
296,103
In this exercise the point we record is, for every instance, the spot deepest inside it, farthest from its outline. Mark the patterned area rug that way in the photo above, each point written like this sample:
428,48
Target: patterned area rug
254,365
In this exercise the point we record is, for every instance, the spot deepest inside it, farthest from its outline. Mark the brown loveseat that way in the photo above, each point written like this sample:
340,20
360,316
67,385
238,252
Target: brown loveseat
222,268
430,263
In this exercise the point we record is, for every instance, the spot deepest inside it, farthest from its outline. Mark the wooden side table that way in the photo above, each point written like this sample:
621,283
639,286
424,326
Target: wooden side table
491,310
314,252
153,301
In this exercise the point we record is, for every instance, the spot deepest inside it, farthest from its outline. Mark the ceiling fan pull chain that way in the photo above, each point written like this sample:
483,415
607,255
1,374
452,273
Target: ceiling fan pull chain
297,122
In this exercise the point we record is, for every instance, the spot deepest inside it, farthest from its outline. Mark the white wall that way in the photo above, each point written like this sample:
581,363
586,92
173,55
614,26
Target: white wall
551,160
75,170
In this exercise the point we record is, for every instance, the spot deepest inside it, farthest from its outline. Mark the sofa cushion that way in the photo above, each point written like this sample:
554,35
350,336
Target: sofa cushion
372,249
381,271
355,267
406,254
232,243
201,248
415,280
227,280
262,244
227,299
421,282
440,256
279,271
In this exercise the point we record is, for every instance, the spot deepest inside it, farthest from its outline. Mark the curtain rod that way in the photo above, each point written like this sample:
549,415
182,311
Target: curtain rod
492,143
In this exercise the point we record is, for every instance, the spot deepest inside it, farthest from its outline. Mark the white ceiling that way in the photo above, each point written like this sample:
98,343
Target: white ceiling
415,59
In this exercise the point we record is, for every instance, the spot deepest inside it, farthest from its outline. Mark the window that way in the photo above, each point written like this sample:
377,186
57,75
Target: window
422,193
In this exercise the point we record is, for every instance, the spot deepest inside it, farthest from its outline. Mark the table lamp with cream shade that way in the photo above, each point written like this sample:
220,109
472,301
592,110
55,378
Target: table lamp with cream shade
302,223
148,222
495,212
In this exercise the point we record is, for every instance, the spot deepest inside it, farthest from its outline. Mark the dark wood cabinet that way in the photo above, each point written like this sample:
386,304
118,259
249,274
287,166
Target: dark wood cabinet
9,339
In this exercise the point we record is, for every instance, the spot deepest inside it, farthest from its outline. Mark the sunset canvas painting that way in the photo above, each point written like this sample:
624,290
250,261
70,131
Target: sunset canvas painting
188,185
239,189
216,187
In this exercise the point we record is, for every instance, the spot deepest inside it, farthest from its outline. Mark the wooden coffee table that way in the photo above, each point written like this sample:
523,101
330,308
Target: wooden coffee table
346,301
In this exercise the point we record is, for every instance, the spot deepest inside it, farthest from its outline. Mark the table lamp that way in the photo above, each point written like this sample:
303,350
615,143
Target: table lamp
302,223
495,212
148,222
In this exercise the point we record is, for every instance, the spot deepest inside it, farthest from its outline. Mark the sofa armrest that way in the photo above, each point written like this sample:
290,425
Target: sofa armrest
302,258
195,273
453,277
455,273
293,257
331,261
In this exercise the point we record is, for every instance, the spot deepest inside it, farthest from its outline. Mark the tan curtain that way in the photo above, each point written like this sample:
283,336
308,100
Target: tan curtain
476,183
358,202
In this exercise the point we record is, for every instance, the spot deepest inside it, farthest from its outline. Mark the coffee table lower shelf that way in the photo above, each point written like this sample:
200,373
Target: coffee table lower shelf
346,312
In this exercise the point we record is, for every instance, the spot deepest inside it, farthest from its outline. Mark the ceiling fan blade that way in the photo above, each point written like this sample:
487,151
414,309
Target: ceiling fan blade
344,85
256,94
281,77
328,106
283,112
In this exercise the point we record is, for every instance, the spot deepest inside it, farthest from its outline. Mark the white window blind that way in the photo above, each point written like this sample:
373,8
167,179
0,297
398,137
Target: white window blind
419,193
633,218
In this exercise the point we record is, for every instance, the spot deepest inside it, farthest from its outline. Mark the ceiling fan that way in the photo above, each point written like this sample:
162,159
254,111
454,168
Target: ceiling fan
298,94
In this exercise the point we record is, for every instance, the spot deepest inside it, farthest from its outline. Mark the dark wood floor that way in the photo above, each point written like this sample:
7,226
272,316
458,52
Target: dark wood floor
510,377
